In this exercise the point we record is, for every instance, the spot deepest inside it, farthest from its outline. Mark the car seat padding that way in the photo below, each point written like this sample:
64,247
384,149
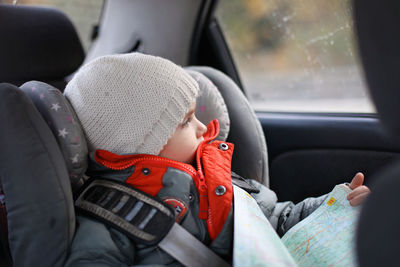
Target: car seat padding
210,104
64,123
250,158
35,181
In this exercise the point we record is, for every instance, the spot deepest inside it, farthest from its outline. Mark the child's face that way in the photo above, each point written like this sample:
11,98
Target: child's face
184,141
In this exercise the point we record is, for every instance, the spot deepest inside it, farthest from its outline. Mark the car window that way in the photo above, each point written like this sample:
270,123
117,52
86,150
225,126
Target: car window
296,55
85,15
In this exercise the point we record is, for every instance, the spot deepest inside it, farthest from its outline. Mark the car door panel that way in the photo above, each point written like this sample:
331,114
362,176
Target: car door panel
309,154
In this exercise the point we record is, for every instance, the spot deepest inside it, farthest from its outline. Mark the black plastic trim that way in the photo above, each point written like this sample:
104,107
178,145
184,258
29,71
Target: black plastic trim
208,45
288,132
222,53
201,20
319,114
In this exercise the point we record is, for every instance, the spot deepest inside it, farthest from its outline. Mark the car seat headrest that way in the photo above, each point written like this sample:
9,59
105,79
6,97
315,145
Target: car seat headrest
63,122
210,104
42,44
250,159
379,41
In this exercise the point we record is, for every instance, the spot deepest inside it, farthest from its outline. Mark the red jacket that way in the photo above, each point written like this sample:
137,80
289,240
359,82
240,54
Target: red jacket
212,176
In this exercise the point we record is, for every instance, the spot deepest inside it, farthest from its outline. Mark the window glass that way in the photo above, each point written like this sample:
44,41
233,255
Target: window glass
84,14
296,55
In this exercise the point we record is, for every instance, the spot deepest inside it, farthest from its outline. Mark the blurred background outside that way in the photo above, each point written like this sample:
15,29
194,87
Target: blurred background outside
296,55
292,55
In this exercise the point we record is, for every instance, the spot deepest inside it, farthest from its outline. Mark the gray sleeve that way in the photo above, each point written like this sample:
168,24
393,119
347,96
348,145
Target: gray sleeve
96,245
283,215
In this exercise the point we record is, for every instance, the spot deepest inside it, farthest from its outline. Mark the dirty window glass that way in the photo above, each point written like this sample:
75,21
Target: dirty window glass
85,15
296,55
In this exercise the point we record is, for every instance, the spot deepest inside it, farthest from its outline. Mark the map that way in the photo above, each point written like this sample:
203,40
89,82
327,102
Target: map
326,237
255,242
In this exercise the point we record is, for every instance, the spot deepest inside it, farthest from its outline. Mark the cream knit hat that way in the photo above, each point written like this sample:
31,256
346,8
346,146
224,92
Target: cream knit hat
131,103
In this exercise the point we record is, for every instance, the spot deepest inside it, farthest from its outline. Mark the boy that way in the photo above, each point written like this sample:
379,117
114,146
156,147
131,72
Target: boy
137,112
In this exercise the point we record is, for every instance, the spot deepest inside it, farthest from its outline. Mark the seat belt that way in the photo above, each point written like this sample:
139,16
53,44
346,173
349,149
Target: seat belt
188,250
144,219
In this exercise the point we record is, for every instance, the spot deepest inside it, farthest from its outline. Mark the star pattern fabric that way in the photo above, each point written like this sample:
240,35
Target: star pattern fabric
55,106
63,133
62,121
75,158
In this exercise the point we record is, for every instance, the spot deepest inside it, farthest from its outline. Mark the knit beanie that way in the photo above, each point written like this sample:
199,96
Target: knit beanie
131,103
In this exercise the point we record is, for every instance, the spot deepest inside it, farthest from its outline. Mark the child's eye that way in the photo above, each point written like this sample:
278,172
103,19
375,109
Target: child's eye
186,122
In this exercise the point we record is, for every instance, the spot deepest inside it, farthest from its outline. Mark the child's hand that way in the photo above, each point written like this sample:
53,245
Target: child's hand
360,191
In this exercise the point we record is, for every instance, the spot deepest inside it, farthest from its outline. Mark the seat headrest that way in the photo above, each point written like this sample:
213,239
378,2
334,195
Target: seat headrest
377,24
210,104
250,159
39,43
63,122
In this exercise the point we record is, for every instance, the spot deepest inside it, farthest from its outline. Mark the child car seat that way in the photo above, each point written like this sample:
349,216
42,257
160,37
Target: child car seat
38,163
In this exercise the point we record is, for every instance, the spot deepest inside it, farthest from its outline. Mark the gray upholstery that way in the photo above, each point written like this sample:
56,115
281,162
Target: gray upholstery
65,125
210,105
250,158
378,229
377,25
41,218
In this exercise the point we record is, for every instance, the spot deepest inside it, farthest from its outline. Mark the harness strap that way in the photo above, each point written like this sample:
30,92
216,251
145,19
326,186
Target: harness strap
188,250
144,219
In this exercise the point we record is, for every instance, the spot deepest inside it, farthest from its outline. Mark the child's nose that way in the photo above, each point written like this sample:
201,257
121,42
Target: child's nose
201,129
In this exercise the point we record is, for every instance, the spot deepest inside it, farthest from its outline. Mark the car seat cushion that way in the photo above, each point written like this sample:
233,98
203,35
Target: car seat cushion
40,211
65,125
210,104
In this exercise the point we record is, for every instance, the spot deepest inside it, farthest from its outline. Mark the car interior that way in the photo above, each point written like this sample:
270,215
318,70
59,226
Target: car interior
296,154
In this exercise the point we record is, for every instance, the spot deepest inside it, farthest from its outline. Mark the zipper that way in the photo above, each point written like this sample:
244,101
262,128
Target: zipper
201,184
211,134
